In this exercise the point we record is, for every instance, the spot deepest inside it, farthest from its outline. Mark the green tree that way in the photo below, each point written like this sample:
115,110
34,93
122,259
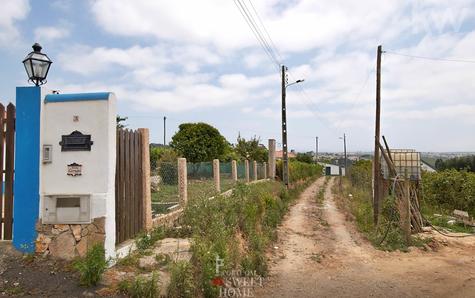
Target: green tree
251,150
305,157
199,142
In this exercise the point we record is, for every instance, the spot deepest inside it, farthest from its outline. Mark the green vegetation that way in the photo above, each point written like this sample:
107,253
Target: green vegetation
251,149
305,157
299,170
92,266
237,229
144,240
199,142
388,235
458,163
181,281
140,287
448,190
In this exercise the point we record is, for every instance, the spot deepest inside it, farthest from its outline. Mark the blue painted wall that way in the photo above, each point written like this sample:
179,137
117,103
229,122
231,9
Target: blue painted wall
27,172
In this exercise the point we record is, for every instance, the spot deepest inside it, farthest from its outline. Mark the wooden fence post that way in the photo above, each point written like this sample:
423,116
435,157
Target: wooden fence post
271,161
147,196
234,170
216,174
182,182
254,170
265,170
246,166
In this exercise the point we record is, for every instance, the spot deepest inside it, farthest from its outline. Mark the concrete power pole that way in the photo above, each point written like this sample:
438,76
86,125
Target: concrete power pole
377,158
285,158
164,131
316,149
344,148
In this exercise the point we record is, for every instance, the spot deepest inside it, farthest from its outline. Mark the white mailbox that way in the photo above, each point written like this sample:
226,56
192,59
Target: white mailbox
66,209
77,170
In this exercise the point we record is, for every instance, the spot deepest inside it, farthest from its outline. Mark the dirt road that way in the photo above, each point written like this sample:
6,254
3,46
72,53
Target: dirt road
320,254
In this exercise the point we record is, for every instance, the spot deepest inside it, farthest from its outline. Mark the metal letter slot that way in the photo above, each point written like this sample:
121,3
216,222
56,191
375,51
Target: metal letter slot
76,141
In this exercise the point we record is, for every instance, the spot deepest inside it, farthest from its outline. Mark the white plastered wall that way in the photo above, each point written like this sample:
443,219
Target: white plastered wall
97,118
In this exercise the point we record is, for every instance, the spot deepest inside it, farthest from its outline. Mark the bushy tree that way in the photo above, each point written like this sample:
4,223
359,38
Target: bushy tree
199,142
305,157
251,150
457,163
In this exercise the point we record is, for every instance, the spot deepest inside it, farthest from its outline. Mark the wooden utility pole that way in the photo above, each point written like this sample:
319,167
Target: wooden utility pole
285,160
377,201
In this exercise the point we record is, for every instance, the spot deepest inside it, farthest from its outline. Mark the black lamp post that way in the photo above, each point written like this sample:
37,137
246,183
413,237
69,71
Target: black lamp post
37,65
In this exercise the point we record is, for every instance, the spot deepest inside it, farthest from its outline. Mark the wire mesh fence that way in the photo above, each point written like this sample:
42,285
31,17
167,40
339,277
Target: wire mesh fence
241,171
226,176
200,180
164,187
261,171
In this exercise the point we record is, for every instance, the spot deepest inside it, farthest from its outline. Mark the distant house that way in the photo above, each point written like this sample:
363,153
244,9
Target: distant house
332,170
279,154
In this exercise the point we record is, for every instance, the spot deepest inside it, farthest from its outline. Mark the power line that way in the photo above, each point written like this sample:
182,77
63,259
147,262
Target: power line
252,25
429,58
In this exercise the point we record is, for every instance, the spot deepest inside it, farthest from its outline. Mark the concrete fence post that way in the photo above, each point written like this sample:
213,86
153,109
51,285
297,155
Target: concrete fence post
271,161
147,196
254,170
182,182
216,174
265,170
246,166
234,170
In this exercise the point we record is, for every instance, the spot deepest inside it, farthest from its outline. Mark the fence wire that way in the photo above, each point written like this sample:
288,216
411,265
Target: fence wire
226,176
164,187
200,180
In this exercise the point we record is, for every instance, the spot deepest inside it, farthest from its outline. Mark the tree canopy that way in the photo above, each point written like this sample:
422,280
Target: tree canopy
199,142
251,150
457,163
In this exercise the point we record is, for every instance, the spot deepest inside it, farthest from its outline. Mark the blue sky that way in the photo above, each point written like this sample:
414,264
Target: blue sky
198,61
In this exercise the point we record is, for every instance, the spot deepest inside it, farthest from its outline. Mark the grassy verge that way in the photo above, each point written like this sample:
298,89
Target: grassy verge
237,229
388,235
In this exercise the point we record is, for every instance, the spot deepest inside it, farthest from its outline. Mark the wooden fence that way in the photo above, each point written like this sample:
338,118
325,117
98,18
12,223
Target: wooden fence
7,152
132,181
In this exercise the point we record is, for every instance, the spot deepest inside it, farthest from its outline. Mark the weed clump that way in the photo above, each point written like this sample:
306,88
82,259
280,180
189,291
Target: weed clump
140,287
92,266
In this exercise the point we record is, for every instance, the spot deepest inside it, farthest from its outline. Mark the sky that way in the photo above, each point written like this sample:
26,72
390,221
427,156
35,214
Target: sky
198,61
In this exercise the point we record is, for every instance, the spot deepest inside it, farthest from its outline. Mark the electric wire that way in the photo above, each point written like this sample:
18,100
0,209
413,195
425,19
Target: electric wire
429,58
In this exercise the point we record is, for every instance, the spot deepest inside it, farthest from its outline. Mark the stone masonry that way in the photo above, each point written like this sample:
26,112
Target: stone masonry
69,241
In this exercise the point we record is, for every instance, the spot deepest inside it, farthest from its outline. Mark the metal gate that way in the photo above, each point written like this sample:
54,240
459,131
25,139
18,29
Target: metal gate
7,157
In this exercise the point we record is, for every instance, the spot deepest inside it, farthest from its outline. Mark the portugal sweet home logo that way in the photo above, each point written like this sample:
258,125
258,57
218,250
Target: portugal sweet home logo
236,283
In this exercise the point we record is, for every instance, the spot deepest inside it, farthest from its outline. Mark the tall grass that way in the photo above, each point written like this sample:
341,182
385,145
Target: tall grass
237,229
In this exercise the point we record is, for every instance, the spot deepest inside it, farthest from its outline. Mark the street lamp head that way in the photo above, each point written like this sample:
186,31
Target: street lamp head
37,65
299,81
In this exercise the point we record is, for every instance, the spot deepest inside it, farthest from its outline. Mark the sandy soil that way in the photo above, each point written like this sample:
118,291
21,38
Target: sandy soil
320,254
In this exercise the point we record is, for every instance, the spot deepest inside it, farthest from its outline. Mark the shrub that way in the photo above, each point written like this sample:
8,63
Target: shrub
181,280
140,287
448,190
92,266
168,171
361,174
299,170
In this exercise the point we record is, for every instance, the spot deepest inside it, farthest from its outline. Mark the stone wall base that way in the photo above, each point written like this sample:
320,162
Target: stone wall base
69,241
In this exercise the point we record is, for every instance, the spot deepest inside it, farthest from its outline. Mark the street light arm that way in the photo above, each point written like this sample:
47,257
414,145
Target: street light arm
296,82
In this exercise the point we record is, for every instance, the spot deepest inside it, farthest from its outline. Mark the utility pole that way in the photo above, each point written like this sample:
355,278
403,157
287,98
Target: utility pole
346,160
164,130
285,160
376,160
316,149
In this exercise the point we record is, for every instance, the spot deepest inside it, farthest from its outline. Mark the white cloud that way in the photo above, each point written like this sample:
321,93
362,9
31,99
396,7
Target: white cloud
48,33
11,11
